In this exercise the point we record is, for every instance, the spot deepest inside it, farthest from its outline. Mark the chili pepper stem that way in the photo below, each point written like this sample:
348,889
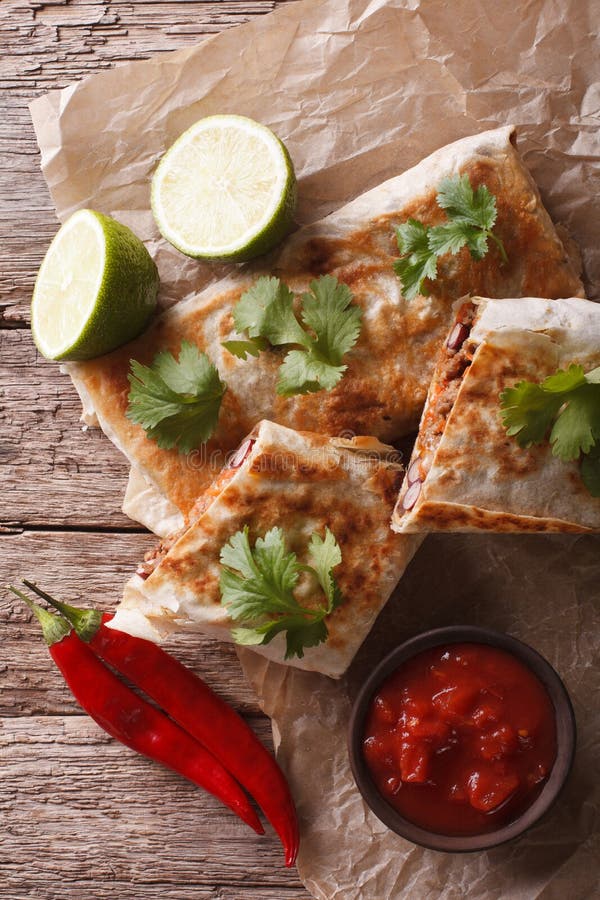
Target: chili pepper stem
53,627
86,622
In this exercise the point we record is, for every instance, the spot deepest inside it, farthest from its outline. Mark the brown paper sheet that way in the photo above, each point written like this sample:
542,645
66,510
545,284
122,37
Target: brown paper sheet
542,589
360,90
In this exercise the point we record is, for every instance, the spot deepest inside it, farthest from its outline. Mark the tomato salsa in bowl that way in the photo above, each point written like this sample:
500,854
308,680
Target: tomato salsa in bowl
461,738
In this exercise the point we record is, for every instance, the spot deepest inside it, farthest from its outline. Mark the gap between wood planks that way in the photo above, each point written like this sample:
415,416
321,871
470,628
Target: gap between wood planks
11,324
7,528
163,890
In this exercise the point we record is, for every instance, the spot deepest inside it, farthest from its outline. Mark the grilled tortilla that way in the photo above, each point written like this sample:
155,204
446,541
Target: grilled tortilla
466,474
384,388
302,483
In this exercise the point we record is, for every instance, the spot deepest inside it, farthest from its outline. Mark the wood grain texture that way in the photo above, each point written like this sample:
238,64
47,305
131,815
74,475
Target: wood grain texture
54,470
82,817
163,890
78,806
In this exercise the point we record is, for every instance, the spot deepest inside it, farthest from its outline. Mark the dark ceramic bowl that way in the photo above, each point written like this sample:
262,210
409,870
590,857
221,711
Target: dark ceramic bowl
565,738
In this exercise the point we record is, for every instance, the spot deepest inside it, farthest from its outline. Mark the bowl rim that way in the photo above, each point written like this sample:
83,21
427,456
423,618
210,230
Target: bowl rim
566,738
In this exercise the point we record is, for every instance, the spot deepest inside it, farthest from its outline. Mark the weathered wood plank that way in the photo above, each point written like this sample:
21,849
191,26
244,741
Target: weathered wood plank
282,892
27,886
109,890
54,471
49,44
78,807
27,219
87,569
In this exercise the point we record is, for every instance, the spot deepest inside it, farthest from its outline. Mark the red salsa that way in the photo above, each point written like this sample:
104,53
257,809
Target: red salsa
461,738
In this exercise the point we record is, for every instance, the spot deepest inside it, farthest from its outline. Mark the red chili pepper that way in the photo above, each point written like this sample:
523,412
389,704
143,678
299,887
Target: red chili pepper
194,706
134,721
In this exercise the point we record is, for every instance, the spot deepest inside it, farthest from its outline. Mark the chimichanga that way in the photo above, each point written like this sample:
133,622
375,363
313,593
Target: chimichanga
302,483
384,388
466,473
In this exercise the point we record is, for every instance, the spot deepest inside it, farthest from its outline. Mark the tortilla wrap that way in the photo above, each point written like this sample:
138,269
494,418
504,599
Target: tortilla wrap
303,483
473,476
384,388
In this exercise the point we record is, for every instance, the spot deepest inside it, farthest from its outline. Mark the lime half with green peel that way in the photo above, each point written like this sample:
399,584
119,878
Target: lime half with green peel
225,190
95,290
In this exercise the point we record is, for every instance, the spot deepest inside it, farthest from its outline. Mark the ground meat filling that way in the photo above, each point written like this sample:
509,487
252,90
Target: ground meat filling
452,373
457,356
153,557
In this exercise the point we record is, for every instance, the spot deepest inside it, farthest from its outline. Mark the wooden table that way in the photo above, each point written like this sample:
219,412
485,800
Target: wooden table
83,818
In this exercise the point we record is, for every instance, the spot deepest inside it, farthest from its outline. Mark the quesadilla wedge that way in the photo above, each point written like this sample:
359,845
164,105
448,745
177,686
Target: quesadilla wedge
304,484
383,390
466,473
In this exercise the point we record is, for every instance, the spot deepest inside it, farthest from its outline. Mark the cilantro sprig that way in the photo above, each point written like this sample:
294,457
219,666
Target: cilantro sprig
471,218
329,329
565,407
176,402
257,588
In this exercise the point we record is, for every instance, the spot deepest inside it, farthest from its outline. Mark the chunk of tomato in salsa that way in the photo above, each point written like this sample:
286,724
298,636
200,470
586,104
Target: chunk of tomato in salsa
488,789
415,761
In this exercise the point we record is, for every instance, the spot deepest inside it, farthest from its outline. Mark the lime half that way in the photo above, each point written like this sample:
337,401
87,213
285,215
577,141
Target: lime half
225,190
95,290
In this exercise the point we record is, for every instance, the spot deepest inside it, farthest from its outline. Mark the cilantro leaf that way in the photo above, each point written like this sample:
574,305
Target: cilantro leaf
302,373
237,553
477,244
577,425
267,571
257,588
335,323
267,310
412,237
413,270
248,637
301,636
176,402
325,555
471,218
593,377
448,238
244,349
565,380
590,471
528,412
417,262
461,203
330,328
328,312
567,405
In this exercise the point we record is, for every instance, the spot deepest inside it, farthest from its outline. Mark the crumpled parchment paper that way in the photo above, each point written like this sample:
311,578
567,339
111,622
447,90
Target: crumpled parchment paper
360,90
545,590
